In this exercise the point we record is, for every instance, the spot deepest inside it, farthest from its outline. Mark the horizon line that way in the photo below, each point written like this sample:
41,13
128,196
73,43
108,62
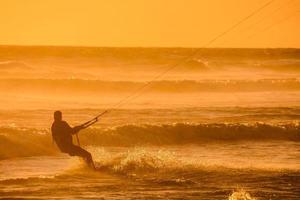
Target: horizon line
141,47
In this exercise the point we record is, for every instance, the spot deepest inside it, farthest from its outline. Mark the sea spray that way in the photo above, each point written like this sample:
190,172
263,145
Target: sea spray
241,194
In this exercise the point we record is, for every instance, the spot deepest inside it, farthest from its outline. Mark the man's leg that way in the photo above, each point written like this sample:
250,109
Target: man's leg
78,151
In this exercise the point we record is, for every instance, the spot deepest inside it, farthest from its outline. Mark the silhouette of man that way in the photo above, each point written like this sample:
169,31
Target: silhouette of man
62,135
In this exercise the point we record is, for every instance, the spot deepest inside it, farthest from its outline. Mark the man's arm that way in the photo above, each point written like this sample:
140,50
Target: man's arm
76,129
71,130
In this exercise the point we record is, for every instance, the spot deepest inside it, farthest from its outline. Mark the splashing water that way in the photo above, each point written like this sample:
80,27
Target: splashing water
136,159
195,159
241,195
185,171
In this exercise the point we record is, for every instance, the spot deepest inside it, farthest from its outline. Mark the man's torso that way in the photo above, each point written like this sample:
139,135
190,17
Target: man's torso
62,134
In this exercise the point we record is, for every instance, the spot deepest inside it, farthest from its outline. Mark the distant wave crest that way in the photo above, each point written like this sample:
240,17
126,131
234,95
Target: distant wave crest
14,65
63,86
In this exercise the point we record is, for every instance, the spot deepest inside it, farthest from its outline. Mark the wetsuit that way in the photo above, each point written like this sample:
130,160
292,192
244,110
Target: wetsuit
62,135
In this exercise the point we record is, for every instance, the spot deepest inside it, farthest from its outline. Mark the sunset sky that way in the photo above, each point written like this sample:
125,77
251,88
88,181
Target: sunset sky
148,23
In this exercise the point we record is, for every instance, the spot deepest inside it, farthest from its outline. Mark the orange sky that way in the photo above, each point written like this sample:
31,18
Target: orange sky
184,23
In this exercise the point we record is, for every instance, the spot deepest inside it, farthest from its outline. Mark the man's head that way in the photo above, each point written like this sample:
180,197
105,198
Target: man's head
57,115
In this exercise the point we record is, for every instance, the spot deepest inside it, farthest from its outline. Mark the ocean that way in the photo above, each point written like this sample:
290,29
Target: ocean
223,125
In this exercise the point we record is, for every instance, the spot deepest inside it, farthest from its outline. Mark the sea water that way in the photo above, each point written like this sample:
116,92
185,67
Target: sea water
224,125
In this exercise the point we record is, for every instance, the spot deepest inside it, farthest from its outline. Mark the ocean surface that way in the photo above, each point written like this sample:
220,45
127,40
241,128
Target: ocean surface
223,125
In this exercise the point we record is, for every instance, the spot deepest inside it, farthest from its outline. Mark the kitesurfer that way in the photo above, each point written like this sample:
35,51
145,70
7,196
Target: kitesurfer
62,135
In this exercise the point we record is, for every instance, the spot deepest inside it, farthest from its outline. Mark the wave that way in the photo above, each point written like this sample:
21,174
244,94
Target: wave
217,59
26,180
164,167
17,142
11,65
22,142
181,133
154,53
63,86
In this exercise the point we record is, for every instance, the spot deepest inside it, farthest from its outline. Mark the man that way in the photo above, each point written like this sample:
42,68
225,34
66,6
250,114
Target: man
62,135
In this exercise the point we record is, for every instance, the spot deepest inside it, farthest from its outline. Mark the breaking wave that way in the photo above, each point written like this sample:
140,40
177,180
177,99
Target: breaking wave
20,142
28,142
183,133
